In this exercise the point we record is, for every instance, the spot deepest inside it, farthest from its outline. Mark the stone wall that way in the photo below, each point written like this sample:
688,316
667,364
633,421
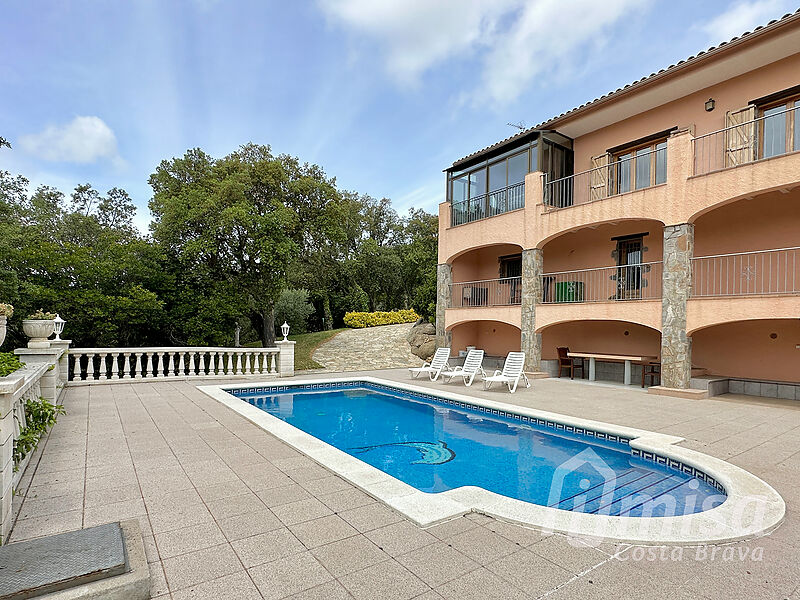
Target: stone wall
444,280
676,346
531,341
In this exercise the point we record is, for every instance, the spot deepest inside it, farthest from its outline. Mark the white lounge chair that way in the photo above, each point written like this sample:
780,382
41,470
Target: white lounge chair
512,371
473,364
435,367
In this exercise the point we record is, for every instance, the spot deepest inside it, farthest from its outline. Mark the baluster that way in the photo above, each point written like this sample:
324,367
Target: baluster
76,367
90,367
163,364
103,367
151,362
247,363
170,361
126,365
138,365
191,363
229,363
115,365
238,363
260,360
201,368
274,363
181,364
212,369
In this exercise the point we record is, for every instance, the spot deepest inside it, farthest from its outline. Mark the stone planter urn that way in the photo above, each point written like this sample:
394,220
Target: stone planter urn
38,330
2,329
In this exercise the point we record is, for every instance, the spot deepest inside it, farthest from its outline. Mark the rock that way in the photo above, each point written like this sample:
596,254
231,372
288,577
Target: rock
422,339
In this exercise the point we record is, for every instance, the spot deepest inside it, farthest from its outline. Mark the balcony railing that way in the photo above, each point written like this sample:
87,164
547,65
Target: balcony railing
748,142
747,273
612,179
629,282
101,364
489,292
488,205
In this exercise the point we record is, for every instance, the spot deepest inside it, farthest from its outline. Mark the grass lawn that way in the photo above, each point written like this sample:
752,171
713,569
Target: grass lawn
306,344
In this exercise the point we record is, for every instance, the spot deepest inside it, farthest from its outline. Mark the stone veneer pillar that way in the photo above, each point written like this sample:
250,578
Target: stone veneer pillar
531,342
676,346
444,280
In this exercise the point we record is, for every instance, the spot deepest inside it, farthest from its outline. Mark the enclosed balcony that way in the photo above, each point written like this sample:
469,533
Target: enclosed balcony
639,281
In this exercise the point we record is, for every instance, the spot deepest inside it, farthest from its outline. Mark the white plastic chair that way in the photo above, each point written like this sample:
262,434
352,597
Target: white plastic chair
473,364
511,373
435,367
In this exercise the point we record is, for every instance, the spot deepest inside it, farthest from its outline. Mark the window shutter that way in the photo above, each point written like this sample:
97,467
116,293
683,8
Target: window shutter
740,136
599,177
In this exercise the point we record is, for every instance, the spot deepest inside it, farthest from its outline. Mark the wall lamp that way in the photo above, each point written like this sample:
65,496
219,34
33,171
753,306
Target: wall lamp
710,104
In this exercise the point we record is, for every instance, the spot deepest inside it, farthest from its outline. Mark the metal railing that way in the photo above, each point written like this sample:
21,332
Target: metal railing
101,364
746,142
629,282
747,273
488,205
489,292
615,178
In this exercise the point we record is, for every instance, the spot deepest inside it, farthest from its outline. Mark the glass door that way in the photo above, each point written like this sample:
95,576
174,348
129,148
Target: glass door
629,269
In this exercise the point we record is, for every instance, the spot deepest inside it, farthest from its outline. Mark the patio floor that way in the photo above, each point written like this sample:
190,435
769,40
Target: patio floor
228,511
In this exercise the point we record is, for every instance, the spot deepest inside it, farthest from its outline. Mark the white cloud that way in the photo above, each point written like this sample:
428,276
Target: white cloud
516,40
83,140
744,16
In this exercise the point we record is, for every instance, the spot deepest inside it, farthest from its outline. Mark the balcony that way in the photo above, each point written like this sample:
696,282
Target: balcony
488,205
605,284
638,170
506,291
748,142
767,272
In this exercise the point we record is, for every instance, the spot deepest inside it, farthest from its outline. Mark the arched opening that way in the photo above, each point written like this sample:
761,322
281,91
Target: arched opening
762,349
606,262
487,276
495,338
601,337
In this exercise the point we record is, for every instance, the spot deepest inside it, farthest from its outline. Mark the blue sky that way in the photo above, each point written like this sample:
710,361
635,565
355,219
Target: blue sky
383,94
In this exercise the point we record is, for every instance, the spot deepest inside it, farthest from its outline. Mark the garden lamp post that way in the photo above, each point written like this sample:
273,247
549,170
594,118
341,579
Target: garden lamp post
285,331
59,327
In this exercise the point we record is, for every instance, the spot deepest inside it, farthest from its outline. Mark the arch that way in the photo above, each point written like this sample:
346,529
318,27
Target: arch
607,336
702,313
593,225
782,189
510,315
760,349
497,338
646,313
466,251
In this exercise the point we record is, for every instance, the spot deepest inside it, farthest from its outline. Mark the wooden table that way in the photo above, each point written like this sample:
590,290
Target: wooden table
593,356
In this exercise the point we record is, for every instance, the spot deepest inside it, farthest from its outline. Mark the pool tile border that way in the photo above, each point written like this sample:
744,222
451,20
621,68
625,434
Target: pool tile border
752,507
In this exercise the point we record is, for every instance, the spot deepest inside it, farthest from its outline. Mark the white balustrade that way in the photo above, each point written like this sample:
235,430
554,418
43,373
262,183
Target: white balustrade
91,365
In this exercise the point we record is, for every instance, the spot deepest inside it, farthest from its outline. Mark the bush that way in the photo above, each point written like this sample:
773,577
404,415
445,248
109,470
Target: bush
40,416
358,320
9,362
6,310
293,307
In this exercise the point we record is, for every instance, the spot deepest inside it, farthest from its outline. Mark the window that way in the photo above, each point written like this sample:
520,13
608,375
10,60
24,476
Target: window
638,168
779,128
629,267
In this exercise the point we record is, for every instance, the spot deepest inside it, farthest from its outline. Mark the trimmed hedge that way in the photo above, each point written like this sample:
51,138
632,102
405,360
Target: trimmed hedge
358,320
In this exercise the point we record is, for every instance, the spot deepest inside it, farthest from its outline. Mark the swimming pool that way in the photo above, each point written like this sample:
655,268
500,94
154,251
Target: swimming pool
436,446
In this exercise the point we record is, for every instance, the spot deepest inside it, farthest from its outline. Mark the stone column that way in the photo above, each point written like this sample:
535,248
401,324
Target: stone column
531,294
285,358
444,279
676,346
51,381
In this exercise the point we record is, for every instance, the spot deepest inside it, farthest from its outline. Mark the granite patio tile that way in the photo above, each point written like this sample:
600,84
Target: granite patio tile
332,590
158,581
167,519
437,563
238,586
448,529
290,575
235,505
266,547
118,511
387,580
482,545
33,527
481,584
399,538
188,539
105,496
249,524
218,491
346,499
322,531
568,553
203,565
349,555
301,510
369,517
327,485
34,507
283,495
529,572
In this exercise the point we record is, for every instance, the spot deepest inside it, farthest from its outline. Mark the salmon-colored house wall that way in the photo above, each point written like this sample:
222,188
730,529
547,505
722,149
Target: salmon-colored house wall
493,337
746,349
607,337
483,263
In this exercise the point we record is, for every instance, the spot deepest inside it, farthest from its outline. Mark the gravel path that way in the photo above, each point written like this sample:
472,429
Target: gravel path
370,348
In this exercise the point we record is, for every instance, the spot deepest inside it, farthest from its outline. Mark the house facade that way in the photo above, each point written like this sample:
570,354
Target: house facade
662,219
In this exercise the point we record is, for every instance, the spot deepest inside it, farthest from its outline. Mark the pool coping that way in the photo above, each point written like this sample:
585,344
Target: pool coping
752,507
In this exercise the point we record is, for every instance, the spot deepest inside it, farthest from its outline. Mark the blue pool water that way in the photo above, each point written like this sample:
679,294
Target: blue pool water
435,446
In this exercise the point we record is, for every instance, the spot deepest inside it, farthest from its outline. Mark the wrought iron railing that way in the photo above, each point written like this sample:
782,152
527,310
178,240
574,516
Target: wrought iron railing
747,273
488,205
747,142
506,291
612,179
629,282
